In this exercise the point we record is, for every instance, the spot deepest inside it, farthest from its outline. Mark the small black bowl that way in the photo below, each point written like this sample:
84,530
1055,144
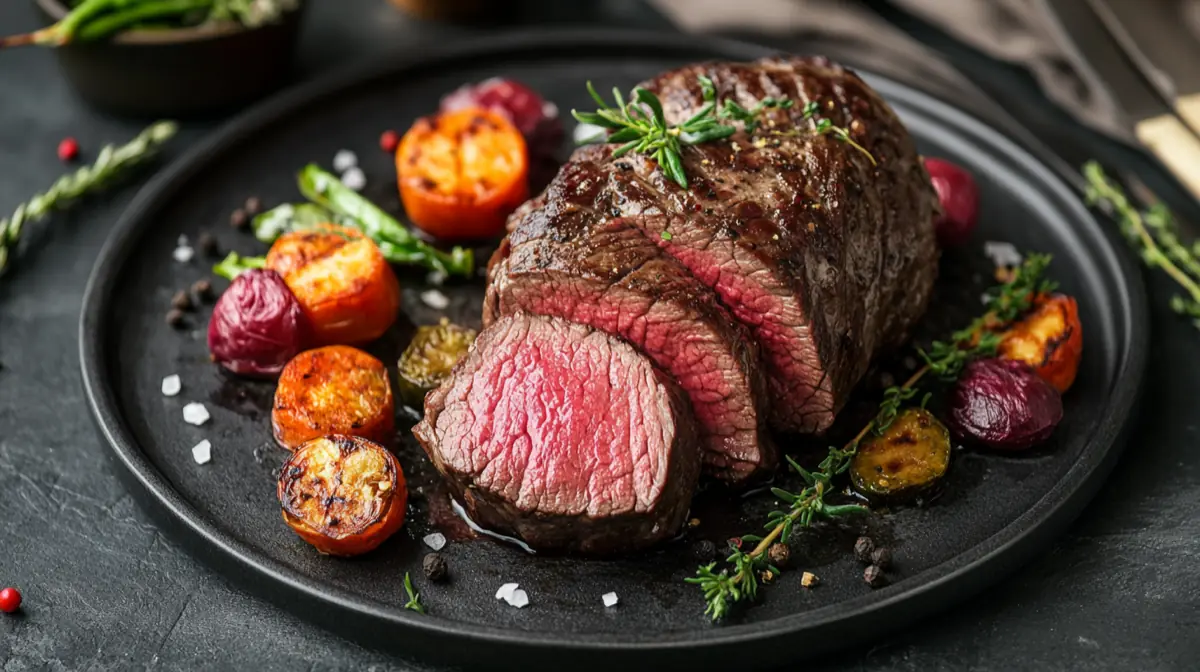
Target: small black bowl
188,72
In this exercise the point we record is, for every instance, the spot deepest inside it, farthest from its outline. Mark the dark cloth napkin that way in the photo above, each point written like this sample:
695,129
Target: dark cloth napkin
1016,31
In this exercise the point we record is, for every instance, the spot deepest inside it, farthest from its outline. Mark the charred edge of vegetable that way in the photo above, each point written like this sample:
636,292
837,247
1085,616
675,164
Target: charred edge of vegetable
910,458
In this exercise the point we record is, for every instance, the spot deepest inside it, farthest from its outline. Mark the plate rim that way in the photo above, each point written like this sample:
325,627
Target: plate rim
1005,550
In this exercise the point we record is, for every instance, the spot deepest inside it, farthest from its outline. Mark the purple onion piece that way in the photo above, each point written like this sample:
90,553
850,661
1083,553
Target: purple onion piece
1003,404
257,325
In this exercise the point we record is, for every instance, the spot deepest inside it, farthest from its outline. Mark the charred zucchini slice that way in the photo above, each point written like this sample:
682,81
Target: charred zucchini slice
909,457
429,358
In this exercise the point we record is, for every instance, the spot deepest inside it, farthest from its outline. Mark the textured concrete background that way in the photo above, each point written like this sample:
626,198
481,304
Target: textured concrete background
105,590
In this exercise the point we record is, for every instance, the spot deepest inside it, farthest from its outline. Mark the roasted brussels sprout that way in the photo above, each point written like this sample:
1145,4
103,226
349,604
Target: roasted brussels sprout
257,325
909,457
343,494
429,358
1049,339
1003,404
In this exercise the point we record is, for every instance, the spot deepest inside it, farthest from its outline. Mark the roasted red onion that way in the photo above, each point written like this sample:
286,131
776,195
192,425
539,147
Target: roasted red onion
257,325
1003,404
959,197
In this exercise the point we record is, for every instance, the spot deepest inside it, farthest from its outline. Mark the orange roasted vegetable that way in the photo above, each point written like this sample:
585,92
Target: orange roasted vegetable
343,494
1049,339
342,281
461,173
333,390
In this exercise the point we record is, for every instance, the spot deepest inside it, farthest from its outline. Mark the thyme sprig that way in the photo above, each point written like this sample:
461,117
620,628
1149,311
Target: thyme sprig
722,589
414,598
639,124
1154,233
112,163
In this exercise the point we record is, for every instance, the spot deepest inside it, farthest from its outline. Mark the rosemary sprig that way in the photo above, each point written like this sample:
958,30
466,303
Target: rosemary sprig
639,124
1154,233
722,589
112,163
414,598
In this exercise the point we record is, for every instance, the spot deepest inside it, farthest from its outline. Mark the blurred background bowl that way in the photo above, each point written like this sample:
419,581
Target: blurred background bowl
184,72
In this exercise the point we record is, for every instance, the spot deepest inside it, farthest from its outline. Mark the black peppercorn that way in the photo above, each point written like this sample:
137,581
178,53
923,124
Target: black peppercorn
882,557
181,301
863,548
208,244
704,550
435,567
238,219
253,205
874,577
202,289
175,318
778,555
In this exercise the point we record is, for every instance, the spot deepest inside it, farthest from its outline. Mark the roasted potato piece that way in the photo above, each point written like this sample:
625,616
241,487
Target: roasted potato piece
342,281
1049,340
333,390
343,494
429,358
909,457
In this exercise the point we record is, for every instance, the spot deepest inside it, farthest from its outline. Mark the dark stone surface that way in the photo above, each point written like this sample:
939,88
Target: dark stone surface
105,590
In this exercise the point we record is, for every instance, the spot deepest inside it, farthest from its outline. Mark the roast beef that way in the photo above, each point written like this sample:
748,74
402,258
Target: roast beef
826,255
564,436
567,257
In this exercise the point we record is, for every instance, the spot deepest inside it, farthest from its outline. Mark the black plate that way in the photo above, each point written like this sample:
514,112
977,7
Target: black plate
995,512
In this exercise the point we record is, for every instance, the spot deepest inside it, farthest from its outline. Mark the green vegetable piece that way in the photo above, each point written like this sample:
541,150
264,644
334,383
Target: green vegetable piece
908,458
430,357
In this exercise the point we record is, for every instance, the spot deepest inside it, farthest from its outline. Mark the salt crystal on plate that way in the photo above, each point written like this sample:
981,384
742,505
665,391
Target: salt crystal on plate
519,599
1002,254
344,160
436,278
506,592
182,241
171,385
435,541
435,299
354,178
183,254
610,599
202,452
195,414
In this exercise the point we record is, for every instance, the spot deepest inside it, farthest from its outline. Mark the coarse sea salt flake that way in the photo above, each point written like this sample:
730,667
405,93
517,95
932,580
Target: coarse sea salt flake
171,385
355,179
435,299
183,254
202,452
506,592
181,241
344,160
610,599
586,133
519,599
195,414
1002,254
436,541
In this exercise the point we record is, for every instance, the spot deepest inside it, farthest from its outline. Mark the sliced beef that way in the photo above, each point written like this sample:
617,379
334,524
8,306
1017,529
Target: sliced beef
565,437
567,257
827,257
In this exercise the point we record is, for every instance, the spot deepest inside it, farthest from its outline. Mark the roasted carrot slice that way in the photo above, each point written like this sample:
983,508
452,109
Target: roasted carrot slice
342,281
1049,339
343,494
333,390
461,173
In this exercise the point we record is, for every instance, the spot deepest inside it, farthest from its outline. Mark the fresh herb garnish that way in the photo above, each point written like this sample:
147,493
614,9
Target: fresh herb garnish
414,598
639,125
111,164
722,589
1154,233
